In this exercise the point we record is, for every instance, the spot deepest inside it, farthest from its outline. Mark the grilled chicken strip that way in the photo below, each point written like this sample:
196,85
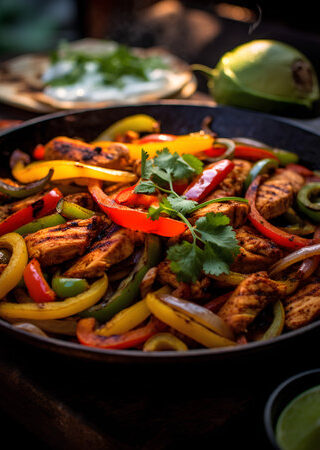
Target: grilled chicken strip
276,194
58,244
250,297
113,156
303,307
197,290
256,251
236,211
233,183
112,246
10,208
230,186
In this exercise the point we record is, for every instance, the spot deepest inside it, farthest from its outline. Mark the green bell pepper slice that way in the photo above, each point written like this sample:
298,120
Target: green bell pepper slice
73,211
285,157
39,224
68,287
305,203
137,122
27,189
259,168
129,288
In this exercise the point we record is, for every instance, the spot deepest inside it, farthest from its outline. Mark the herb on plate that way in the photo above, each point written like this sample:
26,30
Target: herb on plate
111,65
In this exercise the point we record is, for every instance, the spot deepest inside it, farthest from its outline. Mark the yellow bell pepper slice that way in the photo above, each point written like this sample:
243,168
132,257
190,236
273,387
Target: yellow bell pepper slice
128,318
12,274
164,341
185,144
56,310
230,279
68,170
125,320
137,122
185,324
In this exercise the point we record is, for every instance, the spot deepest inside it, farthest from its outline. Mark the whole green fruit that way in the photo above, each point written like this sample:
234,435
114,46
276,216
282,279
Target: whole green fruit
265,75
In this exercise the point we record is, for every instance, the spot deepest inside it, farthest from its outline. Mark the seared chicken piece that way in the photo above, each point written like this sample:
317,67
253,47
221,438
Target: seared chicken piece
63,147
250,297
276,194
10,208
197,290
233,183
296,180
236,211
83,199
303,307
230,186
112,246
58,244
256,251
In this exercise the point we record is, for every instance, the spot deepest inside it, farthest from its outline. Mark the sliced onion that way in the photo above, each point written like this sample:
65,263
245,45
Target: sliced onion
202,315
251,142
66,327
30,328
298,255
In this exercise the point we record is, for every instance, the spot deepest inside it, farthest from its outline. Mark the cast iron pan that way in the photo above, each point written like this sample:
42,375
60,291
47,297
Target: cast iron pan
175,117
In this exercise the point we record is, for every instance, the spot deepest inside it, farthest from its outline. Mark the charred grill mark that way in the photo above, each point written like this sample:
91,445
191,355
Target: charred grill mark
37,207
53,237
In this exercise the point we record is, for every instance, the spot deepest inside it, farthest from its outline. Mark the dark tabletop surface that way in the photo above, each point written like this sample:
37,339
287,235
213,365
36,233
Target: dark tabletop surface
50,401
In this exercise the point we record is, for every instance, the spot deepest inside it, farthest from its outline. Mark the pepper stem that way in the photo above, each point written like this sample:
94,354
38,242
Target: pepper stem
202,68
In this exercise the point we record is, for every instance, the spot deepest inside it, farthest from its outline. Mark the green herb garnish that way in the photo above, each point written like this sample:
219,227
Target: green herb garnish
112,66
214,245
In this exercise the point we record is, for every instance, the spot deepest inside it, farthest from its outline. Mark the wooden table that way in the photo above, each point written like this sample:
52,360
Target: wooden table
62,403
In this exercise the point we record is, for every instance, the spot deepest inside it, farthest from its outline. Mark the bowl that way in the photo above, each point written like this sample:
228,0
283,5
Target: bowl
283,395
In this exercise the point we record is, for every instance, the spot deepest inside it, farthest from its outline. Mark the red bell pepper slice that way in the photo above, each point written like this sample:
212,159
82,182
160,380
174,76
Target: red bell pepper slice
87,336
128,197
253,153
39,208
38,288
38,152
215,304
243,151
132,218
180,186
278,236
301,170
157,138
210,178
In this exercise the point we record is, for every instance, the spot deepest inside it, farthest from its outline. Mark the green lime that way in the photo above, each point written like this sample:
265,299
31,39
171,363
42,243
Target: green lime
298,427
265,75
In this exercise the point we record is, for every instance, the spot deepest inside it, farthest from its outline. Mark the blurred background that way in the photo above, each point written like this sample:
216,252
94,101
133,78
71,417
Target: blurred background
197,31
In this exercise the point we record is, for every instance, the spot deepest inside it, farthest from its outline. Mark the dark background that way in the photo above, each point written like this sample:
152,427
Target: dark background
198,31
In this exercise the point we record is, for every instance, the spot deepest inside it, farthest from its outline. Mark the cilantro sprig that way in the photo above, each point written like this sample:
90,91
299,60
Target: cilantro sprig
214,245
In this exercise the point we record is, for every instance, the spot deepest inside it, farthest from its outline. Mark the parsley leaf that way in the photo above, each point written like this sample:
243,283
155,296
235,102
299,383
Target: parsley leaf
194,162
174,164
181,204
214,229
145,165
186,261
145,187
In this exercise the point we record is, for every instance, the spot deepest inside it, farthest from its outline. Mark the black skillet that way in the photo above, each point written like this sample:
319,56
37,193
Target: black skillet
179,118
